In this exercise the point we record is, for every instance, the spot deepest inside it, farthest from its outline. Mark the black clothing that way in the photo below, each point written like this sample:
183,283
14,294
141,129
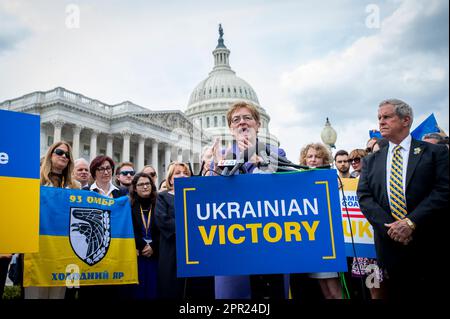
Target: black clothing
138,225
170,287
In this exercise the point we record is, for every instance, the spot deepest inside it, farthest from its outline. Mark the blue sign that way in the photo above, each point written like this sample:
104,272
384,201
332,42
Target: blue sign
259,224
19,144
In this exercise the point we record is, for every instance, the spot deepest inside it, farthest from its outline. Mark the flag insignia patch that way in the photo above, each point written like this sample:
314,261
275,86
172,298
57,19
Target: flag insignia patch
90,233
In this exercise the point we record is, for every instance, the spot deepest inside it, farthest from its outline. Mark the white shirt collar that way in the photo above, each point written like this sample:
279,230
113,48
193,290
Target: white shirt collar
111,188
405,144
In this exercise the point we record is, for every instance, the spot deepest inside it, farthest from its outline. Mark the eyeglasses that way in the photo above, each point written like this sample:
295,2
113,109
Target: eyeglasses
125,173
147,184
355,160
237,119
60,152
107,169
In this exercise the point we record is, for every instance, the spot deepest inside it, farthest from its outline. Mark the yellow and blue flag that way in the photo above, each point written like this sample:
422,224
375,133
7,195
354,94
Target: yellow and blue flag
84,239
19,182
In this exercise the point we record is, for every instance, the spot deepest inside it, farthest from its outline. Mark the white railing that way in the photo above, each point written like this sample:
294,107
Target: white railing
57,93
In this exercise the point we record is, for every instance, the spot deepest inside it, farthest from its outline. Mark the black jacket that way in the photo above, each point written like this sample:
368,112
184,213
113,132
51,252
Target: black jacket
138,227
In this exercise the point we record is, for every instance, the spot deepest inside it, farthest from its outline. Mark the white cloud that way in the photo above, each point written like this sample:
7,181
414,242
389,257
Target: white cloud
346,85
306,60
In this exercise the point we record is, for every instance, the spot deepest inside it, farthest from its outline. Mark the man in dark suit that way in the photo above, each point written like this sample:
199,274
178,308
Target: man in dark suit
403,192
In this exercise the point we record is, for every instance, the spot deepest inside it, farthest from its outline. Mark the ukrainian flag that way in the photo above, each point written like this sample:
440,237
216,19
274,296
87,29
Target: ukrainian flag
19,182
85,239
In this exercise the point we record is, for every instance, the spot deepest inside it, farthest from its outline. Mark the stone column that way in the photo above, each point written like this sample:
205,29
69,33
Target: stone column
167,152
109,145
140,154
155,155
93,147
126,146
57,128
76,141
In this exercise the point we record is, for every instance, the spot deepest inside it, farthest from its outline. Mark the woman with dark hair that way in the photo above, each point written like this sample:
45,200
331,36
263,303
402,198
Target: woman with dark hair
143,200
101,169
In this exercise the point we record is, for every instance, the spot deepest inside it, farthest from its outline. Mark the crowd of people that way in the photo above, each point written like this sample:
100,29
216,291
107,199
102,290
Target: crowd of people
403,194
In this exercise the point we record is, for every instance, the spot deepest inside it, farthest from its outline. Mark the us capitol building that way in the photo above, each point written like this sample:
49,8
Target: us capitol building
130,132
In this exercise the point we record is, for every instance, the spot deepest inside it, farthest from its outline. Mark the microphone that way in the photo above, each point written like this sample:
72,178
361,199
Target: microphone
226,165
237,167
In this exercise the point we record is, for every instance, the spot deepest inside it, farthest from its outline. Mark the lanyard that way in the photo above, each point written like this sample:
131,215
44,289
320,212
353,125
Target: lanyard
146,224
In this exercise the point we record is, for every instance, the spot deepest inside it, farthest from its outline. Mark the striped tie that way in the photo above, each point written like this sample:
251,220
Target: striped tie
397,200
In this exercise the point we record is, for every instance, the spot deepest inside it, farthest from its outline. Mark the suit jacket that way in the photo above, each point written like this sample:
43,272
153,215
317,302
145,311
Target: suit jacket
427,191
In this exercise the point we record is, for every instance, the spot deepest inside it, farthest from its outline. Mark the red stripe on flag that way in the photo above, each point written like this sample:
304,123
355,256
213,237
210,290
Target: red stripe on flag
351,209
353,216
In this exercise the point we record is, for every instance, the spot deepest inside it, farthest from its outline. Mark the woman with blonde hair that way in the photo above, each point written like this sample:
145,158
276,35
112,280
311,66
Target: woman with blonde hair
355,159
56,171
316,155
57,166
170,286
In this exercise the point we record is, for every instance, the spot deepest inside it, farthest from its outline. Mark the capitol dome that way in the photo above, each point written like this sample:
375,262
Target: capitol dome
222,84
211,98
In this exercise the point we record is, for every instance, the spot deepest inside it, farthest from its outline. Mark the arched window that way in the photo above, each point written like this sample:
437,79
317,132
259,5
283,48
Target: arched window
215,121
207,122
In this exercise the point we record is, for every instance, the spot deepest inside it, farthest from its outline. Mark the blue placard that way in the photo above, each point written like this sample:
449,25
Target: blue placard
19,144
259,224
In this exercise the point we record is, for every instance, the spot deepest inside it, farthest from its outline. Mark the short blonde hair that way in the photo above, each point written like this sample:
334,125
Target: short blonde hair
239,105
358,152
322,152
171,172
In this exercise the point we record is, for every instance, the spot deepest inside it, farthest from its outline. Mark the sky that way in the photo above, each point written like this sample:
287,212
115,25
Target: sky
306,60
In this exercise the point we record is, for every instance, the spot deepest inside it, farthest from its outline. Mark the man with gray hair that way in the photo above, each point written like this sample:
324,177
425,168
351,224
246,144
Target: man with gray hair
403,191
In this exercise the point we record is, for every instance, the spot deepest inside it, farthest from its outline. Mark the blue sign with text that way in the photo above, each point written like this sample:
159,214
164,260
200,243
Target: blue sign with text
19,144
259,224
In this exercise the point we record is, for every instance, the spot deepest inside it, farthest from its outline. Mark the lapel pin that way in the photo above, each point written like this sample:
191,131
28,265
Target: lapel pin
417,150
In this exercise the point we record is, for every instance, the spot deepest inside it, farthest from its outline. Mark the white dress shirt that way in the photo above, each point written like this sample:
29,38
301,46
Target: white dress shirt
404,151
111,188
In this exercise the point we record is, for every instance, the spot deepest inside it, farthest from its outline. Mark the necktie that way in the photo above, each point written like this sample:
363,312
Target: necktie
397,199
